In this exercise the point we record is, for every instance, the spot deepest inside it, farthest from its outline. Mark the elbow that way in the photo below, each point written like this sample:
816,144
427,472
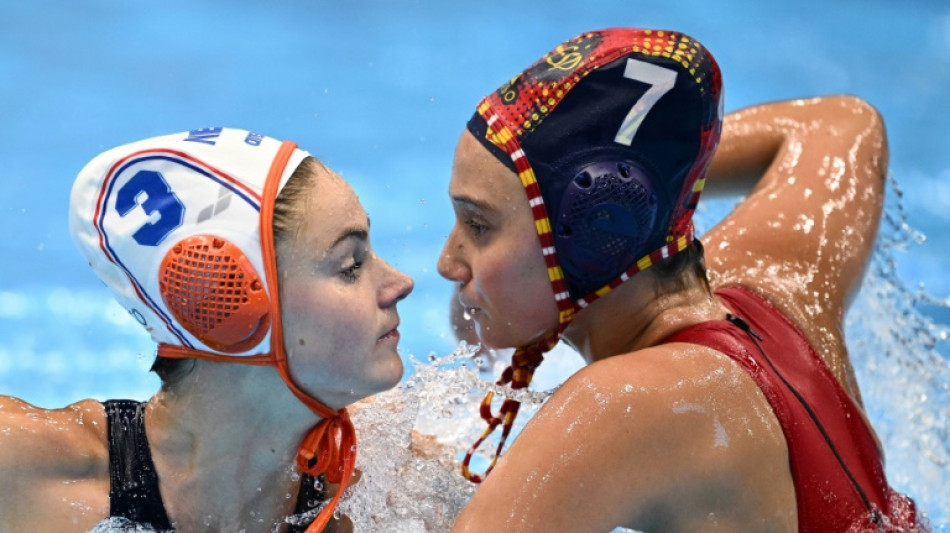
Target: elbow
856,119
863,115
872,126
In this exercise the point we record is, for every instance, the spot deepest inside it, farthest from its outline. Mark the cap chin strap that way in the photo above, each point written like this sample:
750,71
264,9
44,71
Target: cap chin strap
523,364
527,359
330,446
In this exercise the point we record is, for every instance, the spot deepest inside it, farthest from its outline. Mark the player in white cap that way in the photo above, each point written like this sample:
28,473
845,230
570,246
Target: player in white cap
228,247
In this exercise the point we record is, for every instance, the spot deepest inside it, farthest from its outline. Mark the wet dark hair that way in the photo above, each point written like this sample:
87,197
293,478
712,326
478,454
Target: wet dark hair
171,370
287,208
674,273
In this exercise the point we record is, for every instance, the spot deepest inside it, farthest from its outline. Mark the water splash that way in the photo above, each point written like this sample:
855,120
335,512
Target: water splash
413,484
410,480
905,381
115,524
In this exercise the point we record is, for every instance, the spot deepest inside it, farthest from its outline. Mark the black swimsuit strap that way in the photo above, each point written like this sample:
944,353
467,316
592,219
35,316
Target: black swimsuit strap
308,498
133,492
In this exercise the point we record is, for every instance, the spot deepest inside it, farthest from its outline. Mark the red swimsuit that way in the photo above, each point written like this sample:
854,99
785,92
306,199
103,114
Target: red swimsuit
836,464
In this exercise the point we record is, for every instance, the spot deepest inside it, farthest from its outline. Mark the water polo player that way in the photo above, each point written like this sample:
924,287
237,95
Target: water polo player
228,247
725,403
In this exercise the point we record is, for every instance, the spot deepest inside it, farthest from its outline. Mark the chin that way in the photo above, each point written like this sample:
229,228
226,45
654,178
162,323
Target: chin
387,374
495,340
499,339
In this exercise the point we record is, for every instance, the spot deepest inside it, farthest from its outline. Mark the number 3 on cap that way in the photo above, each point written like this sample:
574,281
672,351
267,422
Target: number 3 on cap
159,200
660,80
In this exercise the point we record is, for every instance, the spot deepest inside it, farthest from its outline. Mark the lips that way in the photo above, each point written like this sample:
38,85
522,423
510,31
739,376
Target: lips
391,334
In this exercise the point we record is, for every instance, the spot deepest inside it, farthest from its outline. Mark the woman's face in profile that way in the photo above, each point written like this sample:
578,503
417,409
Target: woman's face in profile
493,251
338,299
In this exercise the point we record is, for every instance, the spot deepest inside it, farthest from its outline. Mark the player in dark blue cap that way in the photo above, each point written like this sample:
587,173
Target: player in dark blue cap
719,403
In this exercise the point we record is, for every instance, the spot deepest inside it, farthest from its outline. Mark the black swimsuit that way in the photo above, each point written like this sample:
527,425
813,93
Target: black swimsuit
133,492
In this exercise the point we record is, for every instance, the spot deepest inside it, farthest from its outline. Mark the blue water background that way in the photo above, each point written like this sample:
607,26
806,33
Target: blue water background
380,91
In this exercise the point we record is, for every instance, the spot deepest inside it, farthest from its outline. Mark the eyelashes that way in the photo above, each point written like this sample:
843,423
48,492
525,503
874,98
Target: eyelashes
352,273
476,228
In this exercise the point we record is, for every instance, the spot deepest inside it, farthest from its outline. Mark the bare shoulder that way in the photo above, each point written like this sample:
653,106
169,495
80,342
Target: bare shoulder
70,440
653,440
54,466
696,438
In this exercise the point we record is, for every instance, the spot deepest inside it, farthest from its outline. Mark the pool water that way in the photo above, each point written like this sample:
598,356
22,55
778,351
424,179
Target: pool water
380,91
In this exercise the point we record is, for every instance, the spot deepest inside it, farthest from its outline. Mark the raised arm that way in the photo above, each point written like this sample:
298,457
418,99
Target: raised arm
814,174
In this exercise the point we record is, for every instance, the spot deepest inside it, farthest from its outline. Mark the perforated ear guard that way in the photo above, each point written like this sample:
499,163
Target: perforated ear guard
212,289
607,215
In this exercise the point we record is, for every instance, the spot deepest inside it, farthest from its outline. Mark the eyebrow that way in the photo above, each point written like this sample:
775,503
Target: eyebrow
468,201
356,233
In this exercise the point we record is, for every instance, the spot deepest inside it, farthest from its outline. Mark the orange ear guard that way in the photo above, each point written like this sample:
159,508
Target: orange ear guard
211,288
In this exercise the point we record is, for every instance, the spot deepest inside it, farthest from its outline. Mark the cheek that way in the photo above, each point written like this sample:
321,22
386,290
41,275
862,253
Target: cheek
506,277
323,323
518,295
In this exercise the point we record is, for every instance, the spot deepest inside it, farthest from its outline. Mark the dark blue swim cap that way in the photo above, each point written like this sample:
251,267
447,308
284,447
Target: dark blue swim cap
611,134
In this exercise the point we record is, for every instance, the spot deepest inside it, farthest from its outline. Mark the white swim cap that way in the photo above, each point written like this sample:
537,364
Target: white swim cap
171,225
180,227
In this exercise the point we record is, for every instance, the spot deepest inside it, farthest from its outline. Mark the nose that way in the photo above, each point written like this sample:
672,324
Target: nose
396,286
452,263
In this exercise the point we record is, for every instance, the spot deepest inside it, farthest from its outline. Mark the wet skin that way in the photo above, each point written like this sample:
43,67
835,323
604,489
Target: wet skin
677,437
224,439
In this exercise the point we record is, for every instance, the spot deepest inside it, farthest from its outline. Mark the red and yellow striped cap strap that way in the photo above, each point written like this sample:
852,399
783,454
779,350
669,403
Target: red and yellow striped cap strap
499,134
673,247
526,359
523,364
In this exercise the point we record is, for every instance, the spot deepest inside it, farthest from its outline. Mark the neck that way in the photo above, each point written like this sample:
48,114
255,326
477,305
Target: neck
635,316
224,441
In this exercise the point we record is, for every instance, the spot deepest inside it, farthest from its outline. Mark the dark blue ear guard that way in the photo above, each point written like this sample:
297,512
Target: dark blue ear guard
606,219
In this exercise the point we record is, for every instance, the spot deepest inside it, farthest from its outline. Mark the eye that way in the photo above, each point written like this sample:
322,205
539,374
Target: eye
476,228
352,272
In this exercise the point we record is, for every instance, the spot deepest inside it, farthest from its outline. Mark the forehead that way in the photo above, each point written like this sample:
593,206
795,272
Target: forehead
331,207
477,175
